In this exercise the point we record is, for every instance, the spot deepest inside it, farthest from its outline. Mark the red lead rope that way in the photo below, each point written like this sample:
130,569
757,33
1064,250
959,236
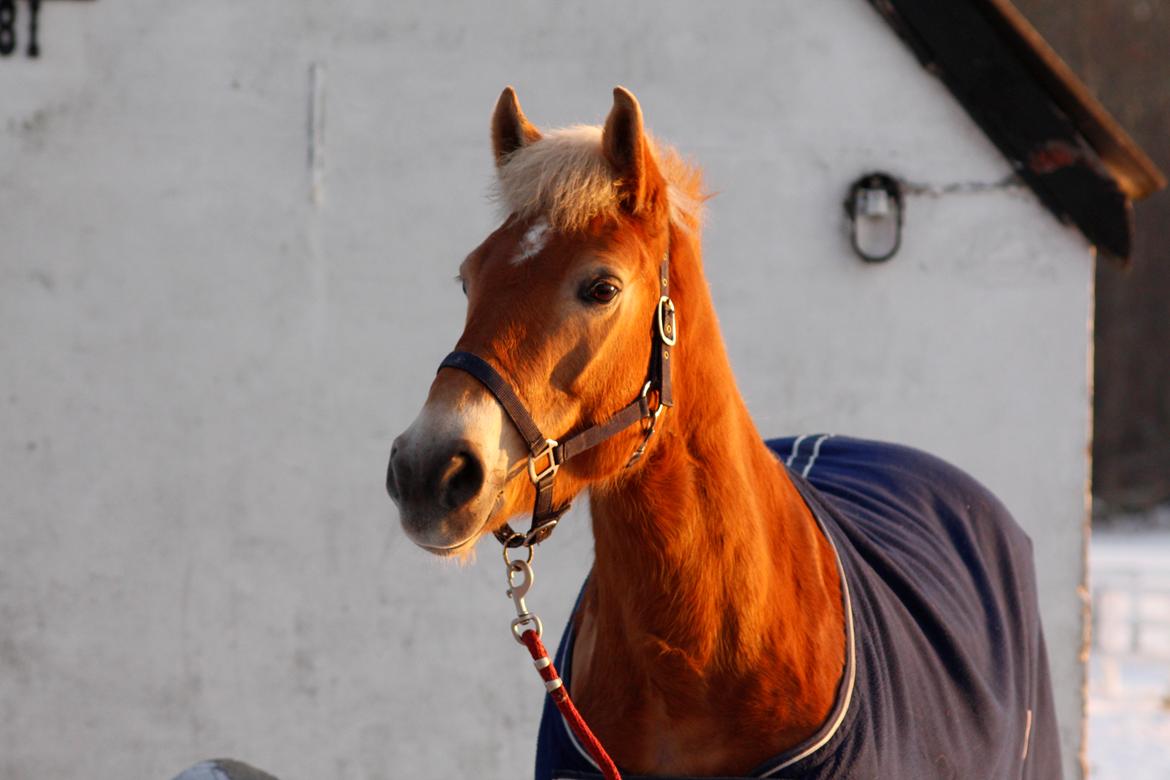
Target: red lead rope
560,697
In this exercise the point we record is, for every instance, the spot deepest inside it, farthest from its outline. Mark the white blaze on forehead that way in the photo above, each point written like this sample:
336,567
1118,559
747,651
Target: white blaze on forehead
533,241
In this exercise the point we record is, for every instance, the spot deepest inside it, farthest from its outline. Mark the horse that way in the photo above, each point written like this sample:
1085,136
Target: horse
812,607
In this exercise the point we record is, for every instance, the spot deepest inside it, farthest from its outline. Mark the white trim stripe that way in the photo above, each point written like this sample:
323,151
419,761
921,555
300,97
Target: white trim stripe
540,663
815,453
795,449
850,660
566,646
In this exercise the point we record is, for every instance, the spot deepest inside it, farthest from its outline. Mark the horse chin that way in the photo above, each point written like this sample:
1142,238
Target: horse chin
455,535
457,550
444,535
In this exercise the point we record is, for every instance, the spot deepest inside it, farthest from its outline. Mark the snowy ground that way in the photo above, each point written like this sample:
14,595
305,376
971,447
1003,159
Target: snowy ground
1129,670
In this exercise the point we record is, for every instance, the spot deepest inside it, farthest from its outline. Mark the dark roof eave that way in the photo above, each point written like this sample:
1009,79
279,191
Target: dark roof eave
1138,175
968,46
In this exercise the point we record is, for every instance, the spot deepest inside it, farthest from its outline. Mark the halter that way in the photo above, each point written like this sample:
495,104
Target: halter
546,456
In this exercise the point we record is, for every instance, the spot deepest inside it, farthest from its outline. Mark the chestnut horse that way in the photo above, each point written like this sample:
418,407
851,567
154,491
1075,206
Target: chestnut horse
737,610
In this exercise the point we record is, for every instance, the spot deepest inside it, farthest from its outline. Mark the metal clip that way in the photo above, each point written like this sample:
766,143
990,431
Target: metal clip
517,591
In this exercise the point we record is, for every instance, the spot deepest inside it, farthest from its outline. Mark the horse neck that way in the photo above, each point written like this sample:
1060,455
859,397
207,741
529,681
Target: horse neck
711,574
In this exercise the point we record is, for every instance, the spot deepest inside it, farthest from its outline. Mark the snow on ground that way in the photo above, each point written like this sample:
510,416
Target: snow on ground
1129,669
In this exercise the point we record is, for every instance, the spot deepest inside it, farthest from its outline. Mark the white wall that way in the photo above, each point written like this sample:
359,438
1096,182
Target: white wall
202,371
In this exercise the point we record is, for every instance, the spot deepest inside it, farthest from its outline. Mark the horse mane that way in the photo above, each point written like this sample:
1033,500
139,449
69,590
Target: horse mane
565,178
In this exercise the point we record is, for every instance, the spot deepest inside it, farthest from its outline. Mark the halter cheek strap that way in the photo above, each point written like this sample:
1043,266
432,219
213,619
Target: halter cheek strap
546,455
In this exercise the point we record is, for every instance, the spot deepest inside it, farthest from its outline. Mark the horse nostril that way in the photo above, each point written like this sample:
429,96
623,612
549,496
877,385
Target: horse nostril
391,483
394,473
460,480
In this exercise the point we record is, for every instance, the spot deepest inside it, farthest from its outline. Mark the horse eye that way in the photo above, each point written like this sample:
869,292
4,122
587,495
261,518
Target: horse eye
602,291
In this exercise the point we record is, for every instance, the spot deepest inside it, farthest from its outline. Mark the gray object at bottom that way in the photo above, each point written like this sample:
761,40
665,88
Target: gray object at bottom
223,769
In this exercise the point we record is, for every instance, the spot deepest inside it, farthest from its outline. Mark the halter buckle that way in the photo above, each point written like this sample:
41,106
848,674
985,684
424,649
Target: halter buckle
667,324
543,529
549,450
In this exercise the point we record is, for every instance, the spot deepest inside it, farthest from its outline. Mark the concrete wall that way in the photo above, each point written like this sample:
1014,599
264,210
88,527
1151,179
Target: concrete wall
202,369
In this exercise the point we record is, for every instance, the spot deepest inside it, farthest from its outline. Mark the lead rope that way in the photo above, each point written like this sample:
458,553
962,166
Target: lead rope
526,629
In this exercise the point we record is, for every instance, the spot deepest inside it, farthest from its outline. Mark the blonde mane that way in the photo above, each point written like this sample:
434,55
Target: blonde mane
565,178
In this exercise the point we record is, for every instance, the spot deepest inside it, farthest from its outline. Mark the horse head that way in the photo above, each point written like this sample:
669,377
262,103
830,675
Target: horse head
561,302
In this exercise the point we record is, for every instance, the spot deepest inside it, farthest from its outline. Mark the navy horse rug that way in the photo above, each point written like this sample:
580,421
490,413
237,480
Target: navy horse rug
946,672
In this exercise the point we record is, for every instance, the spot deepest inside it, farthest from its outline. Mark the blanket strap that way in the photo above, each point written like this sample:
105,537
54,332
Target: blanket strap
560,696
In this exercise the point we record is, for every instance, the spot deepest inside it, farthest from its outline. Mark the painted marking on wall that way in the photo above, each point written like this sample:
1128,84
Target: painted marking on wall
317,132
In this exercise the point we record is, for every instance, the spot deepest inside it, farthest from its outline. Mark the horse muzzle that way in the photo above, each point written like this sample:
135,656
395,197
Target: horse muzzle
448,470
438,491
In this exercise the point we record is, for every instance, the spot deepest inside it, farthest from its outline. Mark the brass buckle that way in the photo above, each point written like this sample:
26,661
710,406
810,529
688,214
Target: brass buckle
667,322
549,451
541,532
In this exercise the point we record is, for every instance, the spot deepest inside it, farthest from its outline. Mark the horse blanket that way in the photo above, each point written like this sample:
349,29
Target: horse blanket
946,671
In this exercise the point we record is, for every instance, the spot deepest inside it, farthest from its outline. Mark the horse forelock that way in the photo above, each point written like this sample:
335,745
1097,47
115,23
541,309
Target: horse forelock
565,179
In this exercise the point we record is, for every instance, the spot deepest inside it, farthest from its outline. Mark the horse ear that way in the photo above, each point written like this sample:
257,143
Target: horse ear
510,128
625,147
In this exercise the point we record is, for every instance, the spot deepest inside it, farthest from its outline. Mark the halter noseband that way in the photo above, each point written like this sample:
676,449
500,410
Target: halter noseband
546,455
